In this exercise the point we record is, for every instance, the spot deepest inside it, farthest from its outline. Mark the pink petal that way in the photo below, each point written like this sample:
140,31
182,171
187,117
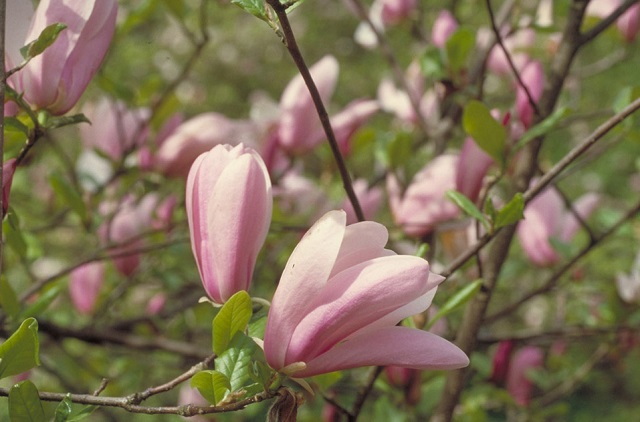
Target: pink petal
362,242
399,346
303,278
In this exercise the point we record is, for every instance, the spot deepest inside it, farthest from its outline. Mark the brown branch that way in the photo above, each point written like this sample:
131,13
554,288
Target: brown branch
606,22
512,66
292,46
566,333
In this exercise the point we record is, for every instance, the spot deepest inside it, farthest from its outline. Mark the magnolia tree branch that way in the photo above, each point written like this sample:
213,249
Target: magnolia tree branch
606,22
3,12
467,335
551,283
566,333
292,46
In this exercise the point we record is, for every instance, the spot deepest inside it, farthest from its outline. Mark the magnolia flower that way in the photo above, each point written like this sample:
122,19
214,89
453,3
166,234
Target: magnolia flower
84,286
629,284
501,361
55,79
444,26
299,127
229,205
115,130
532,77
8,170
519,384
196,136
339,299
299,195
544,218
349,120
383,14
629,23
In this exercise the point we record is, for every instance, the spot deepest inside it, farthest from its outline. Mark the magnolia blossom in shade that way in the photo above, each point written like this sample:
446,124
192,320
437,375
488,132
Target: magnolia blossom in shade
55,79
299,128
545,217
299,195
84,286
115,130
229,204
8,170
146,153
473,165
629,284
444,26
339,299
196,136
533,78
156,303
519,384
123,230
629,23
370,199
501,361
424,203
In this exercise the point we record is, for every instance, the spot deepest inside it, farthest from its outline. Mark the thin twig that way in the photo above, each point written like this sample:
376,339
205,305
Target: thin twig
606,22
292,46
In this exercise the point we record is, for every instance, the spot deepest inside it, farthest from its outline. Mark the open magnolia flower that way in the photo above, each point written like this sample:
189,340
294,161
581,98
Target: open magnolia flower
339,299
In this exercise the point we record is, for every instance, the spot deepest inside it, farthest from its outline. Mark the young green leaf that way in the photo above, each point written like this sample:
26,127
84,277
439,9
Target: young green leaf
458,47
44,40
467,206
461,297
510,213
21,351
42,302
543,127
232,318
69,195
235,361
60,121
8,299
213,385
63,411
24,403
484,129
255,7
13,235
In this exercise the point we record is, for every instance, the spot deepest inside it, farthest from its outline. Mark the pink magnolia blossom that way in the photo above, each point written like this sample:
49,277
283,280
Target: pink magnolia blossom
444,26
629,284
229,204
156,303
517,45
115,130
533,78
84,286
519,384
383,14
424,203
501,361
394,11
370,199
299,128
297,194
629,23
545,217
339,299
349,120
56,79
146,153
196,136
8,170
123,231
473,165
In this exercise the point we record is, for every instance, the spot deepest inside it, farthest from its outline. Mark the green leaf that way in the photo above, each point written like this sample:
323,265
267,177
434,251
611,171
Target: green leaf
8,298
510,213
212,385
20,352
177,7
458,47
467,206
544,126
69,195
63,411
256,328
60,121
24,403
232,318
431,64
14,124
235,362
484,129
44,40
42,302
461,297
13,235
255,7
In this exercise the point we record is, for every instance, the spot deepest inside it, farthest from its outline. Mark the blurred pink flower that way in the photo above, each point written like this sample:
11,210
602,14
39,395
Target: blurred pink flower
424,203
8,170
444,26
517,45
370,199
114,130
197,135
519,384
383,14
146,153
473,165
629,284
339,299
501,360
123,231
299,127
297,194
349,120
156,303
56,79
84,286
229,204
629,23
545,217
533,78
394,11
188,395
